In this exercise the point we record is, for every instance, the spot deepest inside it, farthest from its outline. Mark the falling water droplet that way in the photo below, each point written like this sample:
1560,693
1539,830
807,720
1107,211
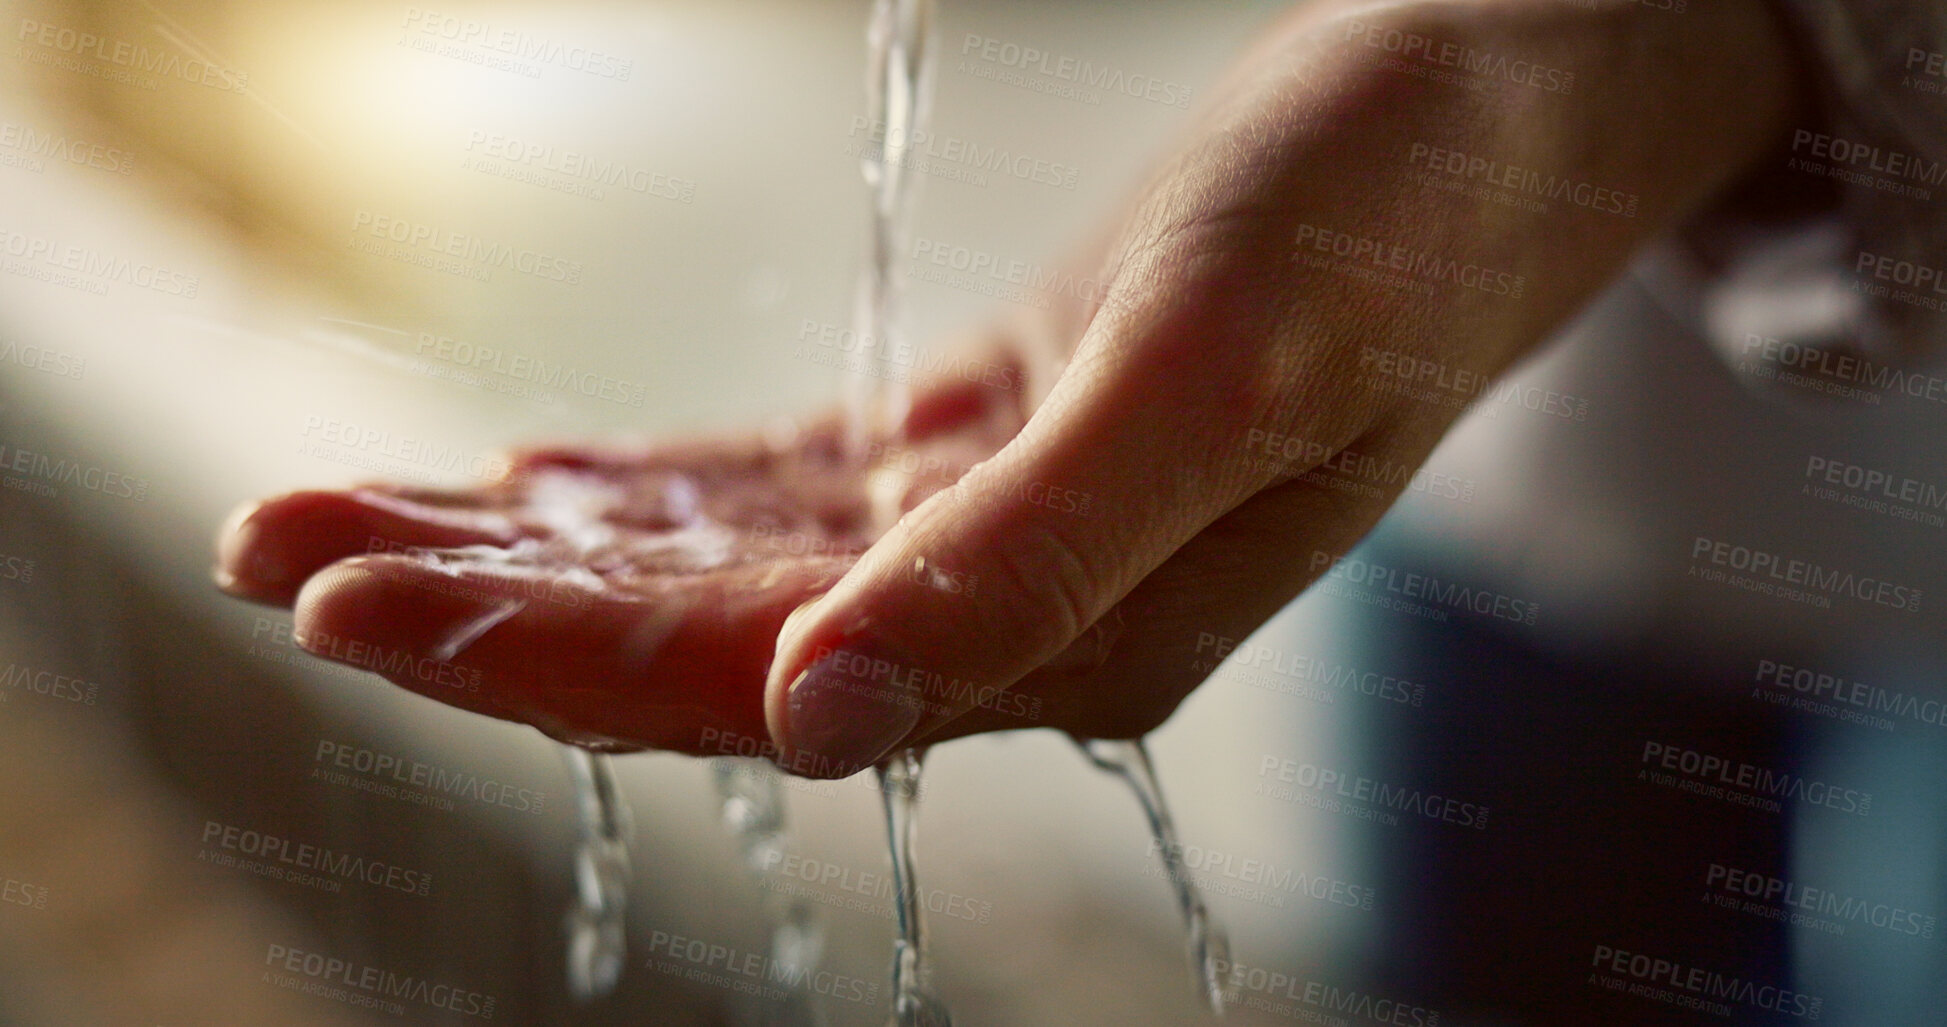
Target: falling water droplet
753,813
598,918
913,1003
1209,949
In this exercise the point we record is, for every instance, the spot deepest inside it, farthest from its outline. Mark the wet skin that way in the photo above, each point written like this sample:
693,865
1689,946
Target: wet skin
620,598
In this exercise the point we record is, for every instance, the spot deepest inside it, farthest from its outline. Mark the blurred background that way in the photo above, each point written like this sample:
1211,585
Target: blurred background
250,248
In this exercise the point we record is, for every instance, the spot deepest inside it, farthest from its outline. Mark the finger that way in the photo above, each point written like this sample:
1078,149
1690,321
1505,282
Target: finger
714,452
667,662
1124,678
266,550
1138,448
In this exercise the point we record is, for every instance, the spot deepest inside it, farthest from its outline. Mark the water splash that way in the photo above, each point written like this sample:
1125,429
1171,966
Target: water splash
597,920
753,813
1208,948
898,77
913,1003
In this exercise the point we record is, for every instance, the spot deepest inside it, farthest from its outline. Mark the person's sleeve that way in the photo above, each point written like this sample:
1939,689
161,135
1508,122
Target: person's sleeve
1828,265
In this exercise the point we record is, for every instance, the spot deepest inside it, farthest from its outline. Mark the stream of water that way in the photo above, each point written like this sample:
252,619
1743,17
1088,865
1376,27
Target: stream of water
598,917
753,813
1209,948
913,1001
898,76
899,71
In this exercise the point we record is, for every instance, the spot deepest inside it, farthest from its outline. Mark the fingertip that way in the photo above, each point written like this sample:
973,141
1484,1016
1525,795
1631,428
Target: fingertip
852,707
401,605
340,601
838,696
235,539
266,550
788,665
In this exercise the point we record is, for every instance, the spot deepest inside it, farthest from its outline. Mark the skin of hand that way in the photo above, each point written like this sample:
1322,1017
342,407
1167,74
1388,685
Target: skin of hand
1178,468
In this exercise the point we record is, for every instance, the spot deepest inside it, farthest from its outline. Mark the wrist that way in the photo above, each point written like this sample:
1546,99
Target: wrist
1539,139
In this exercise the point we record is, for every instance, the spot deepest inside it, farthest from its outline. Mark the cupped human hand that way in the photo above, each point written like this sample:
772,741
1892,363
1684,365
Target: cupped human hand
620,596
1202,436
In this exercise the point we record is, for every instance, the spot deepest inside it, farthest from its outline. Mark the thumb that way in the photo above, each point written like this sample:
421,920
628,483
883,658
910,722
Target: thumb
1137,449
